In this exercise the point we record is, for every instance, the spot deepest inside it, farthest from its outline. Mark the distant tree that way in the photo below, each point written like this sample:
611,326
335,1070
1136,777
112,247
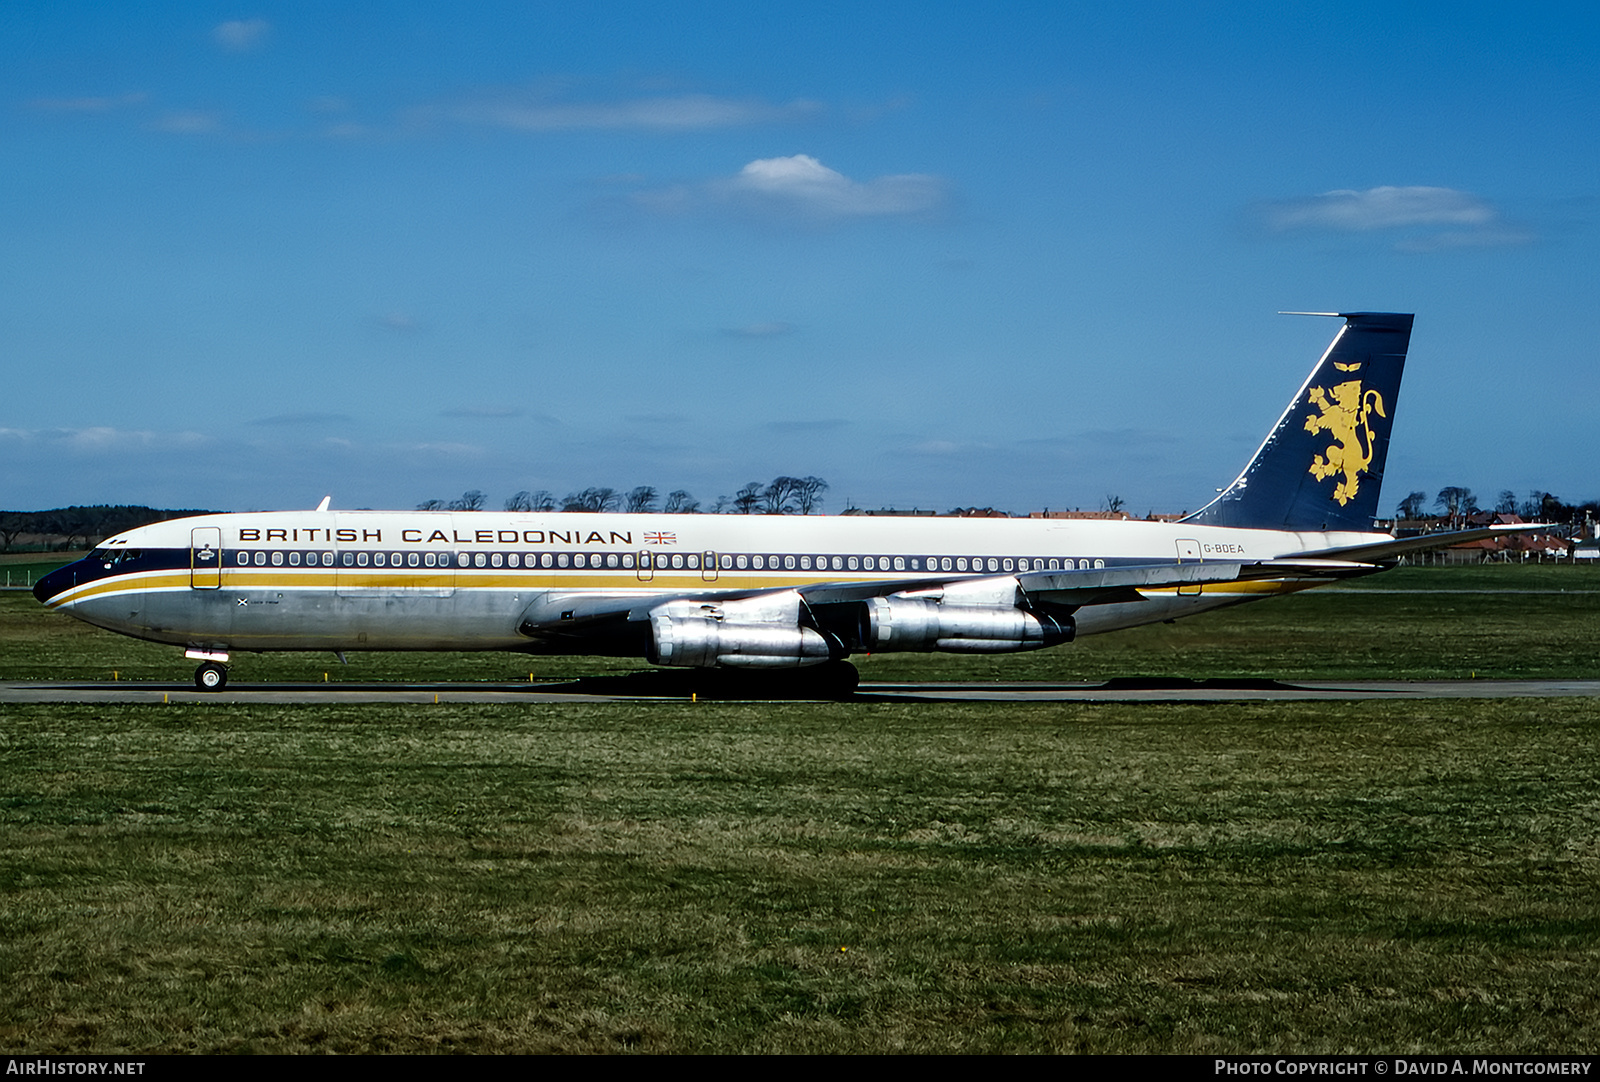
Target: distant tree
525,501
471,500
1456,502
11,524
778,497
747,499
680,502
1412,506
1114,503
1507,504
431,505
808,495
593,500
721,506
641,500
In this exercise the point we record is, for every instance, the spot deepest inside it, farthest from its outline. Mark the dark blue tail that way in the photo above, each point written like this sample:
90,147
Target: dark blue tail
1322,465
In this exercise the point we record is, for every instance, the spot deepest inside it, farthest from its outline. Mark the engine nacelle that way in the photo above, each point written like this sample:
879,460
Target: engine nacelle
921,623
705,642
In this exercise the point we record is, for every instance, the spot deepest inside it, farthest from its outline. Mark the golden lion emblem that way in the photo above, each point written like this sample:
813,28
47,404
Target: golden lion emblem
1347,415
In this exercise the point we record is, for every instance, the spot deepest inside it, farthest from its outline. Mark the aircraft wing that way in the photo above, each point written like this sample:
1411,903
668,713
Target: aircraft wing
1404,546
582,614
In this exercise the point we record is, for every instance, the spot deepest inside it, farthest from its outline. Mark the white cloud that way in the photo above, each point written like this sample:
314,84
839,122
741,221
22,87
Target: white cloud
803,183
103,439
88,104
1435,218
801,187
1386,207
241,35
685,112
189,123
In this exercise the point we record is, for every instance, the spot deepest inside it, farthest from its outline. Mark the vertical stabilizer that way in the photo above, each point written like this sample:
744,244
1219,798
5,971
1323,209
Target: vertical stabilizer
1321,467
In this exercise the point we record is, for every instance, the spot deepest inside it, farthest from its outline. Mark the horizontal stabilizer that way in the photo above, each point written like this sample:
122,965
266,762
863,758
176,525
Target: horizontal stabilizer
1404,546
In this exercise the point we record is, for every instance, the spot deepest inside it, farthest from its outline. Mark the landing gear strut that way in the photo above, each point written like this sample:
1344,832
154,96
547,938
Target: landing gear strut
211,676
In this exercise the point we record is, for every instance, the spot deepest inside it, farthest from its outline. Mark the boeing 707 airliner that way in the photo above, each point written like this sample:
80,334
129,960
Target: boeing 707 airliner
766,592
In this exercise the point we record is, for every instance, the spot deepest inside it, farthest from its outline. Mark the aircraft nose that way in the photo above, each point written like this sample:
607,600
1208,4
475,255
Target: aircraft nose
55,582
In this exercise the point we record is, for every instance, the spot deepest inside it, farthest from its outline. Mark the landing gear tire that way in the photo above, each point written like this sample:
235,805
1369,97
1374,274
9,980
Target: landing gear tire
837,679
211,677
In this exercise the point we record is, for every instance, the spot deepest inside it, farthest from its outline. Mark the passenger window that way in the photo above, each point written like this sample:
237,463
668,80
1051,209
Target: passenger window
994,565
788,563
677,560
361,559
805,563
759,562
1099,563
743,561
514,560
694,561
627,559
277,559
900,563
411,560
611,559
544,561
852,563
427,559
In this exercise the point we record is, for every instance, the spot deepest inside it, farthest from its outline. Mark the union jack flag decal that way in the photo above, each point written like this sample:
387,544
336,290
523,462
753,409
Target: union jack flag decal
660,538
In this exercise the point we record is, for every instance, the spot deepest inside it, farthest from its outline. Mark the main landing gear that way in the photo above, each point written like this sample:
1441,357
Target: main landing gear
211,676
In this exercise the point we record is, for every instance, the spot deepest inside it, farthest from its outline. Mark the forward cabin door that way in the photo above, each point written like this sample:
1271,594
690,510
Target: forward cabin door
205,558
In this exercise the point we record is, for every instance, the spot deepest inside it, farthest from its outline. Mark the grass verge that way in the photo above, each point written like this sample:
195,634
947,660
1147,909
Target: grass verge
1286,877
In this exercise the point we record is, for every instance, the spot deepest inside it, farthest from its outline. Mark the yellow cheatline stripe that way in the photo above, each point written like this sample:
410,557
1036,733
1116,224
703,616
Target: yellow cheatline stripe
1265,586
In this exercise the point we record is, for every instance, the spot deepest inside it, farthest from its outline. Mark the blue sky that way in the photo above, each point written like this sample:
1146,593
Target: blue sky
1021,255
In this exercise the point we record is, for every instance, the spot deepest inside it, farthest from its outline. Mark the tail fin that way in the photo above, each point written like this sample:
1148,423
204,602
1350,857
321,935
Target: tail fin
1322,465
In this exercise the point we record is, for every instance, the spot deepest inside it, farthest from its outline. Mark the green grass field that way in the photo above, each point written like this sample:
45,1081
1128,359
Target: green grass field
841,877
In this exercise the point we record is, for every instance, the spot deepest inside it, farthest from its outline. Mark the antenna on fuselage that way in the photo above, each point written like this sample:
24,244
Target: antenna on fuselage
326,500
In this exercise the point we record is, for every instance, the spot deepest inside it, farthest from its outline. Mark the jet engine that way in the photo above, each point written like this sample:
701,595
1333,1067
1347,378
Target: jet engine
986,620
756,633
